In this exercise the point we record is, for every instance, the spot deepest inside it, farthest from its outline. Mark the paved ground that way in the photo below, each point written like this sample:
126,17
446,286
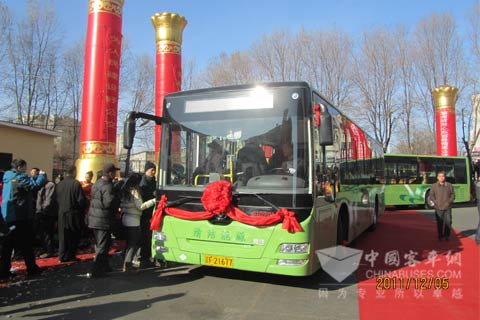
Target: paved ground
188,292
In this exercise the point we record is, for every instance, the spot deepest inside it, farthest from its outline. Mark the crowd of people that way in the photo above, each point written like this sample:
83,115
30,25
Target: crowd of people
43,218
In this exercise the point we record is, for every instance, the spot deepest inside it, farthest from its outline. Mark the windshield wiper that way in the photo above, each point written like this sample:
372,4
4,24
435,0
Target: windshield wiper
182,200
256,195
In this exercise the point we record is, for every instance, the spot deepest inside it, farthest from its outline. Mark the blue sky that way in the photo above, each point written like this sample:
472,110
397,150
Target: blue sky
216,26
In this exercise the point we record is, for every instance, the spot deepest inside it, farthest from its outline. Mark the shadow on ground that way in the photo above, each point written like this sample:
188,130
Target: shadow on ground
70,285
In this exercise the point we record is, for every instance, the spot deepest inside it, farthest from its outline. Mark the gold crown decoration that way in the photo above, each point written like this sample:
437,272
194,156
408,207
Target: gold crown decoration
444,96
168,27
108,6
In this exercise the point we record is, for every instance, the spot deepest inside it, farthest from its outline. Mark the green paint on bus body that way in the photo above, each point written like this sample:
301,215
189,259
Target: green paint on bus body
410,194
409,177
258,248
251,248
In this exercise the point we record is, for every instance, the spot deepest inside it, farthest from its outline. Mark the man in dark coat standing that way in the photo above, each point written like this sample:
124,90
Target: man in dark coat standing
71,208
103,207
441,197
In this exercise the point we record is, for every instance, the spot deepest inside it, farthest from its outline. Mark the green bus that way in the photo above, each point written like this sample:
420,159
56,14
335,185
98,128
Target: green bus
280,146
408,178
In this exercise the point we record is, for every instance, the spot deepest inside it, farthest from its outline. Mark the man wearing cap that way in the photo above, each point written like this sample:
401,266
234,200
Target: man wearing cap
103,207
148,186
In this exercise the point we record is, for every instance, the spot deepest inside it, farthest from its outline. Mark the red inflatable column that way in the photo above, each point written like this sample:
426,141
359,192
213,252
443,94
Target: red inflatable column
168,36
100,86
446,128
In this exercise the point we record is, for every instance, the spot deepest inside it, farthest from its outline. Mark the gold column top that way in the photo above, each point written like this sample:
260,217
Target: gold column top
444,96
168,26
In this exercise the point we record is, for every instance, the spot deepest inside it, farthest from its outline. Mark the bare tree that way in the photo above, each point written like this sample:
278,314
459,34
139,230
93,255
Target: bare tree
439,59
421,142
327,57
5,26
407,98
52,95
190,76
474,31
236,68
141,85
278,57
471,121
31,53
73,81
376,76
139,95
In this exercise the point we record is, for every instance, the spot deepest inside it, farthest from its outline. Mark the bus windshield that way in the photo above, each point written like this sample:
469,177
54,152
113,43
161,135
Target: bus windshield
257,139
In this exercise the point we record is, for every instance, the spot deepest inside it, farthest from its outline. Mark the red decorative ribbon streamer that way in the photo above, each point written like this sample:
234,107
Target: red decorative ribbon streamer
216,200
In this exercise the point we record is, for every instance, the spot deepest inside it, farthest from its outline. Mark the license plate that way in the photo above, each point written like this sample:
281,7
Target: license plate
218,261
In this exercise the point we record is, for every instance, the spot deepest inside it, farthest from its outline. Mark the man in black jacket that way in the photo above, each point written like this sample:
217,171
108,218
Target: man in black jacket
71,208
147,189
103,207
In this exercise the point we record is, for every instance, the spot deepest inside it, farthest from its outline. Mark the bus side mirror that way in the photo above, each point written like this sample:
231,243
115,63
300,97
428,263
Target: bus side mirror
326,129
129,131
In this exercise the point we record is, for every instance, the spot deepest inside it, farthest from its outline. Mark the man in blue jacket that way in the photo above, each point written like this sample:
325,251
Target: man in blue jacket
17,211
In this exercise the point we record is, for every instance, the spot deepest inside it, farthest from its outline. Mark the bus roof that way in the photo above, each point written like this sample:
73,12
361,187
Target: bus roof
277,84
242,86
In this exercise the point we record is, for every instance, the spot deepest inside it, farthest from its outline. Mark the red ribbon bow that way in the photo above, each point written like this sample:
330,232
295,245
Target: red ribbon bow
217,199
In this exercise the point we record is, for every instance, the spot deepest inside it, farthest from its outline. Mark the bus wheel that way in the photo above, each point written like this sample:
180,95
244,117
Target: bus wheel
374,224
427,205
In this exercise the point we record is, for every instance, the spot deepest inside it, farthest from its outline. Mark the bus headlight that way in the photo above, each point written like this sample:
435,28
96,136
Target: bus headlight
294,248
160,236
290,262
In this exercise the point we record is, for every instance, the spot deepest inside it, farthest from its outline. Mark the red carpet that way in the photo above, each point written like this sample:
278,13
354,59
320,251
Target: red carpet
409,291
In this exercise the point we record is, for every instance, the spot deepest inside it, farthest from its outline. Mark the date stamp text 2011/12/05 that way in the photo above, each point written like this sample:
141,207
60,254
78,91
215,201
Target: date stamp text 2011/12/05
421,283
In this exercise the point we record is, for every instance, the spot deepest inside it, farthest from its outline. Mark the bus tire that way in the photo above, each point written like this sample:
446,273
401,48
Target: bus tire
342,230
427,205
374,224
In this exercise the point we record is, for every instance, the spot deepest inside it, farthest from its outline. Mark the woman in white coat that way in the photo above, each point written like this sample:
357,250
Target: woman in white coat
132,206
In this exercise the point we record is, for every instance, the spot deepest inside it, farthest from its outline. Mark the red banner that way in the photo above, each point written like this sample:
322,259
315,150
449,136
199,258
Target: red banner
446,132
